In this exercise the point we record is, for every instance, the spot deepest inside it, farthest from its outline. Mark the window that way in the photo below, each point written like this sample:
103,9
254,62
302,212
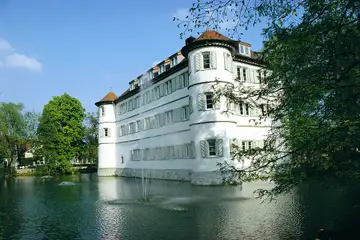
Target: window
132,127
265,109
247,112
244,109
186,112
212,147
106,132
161,68
169,117
167,67
138,125
243,146
244,74
209,100
102,111
123,131
206,60
249,145
173,61
238,72
246,50
156,74
242,49
168,85
227,61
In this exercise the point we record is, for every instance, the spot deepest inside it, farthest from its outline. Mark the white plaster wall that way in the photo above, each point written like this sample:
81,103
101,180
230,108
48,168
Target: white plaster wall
174,134
175,95
109,113
123,149
107,157
157,109
202,81
113,149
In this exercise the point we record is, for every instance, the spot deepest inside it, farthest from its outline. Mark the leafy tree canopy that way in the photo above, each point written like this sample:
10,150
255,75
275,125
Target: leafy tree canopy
90,142
61,132
313,54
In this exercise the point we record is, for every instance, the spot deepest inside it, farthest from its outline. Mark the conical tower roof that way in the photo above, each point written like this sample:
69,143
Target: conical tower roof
109,98
211,34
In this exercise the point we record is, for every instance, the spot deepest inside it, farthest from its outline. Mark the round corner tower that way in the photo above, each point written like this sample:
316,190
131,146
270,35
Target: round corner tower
107,135
210,66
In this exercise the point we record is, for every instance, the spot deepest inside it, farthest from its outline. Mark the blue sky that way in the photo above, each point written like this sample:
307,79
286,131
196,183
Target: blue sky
84,47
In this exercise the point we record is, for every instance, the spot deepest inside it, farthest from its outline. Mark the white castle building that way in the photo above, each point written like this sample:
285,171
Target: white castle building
167,124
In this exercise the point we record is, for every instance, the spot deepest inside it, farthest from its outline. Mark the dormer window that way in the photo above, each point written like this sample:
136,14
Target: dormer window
132,86
173,61
161,68
244,50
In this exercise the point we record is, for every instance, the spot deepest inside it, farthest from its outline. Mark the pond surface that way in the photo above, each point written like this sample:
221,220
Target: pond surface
89,207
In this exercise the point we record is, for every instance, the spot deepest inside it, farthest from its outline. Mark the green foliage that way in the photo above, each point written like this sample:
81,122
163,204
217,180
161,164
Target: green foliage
314,61
61,133
90,141
11,130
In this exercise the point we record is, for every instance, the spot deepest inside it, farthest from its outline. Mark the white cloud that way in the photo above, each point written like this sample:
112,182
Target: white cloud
5,45
16,60
11,59
181,13
155,63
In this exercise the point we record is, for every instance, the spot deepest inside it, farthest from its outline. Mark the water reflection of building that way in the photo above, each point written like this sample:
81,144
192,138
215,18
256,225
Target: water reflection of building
168,124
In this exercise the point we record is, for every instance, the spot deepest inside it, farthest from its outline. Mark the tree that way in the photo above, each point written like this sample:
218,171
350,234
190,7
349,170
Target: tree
61,132
313,55
90,142
11,131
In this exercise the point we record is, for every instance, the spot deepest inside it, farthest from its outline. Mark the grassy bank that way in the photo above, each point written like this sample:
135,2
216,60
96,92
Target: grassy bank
43,171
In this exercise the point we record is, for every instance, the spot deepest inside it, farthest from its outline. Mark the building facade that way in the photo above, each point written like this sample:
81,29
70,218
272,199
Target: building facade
168,125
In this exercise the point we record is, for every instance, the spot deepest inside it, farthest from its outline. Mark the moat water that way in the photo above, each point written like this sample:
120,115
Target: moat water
88,207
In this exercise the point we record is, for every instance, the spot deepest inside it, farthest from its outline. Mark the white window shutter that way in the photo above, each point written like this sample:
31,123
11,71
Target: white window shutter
193,150
248,75
217,103
237,108
173,84
213,60
219,148
189,66
190,104
201,101
234,71
255,74
197,62
230,63
161,89
203,148
226,62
